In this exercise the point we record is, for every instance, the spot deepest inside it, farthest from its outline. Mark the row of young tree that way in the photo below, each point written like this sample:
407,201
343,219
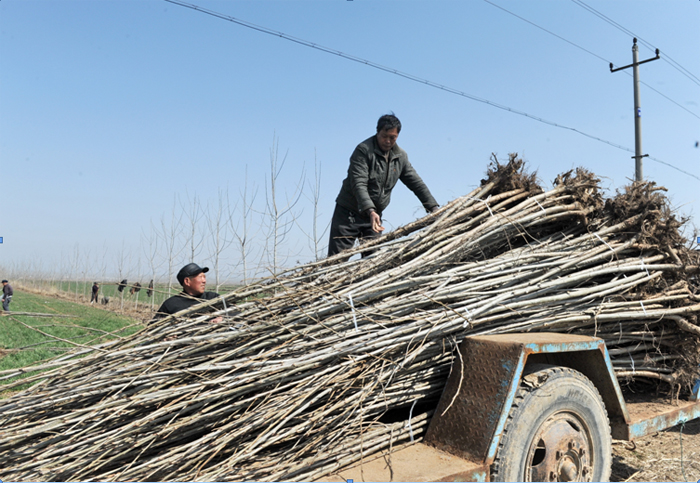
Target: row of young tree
255,231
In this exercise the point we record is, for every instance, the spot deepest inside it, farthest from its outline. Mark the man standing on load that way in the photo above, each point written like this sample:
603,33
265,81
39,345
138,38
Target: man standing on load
375,167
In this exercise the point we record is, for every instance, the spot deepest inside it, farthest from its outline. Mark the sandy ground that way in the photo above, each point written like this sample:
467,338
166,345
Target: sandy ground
671,455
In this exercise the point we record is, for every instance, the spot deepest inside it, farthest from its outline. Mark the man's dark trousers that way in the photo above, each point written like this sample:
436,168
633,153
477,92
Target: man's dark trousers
346,227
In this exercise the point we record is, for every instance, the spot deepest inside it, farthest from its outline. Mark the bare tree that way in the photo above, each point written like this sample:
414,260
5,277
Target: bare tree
86,263
241,229
135,286
314,197
169,234
65,270
195,238
219,239
122,259
150,247
280,215
75,267
102,265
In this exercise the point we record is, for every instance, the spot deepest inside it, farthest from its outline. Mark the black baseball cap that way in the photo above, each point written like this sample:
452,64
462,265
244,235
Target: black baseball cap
190,270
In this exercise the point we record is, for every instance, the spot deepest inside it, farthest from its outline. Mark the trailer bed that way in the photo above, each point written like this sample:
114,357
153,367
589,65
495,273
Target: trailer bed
649,415
416,462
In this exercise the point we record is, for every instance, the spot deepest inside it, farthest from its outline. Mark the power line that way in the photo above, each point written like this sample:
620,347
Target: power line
590,53
405,75
548,31
671,166
666,57
666,97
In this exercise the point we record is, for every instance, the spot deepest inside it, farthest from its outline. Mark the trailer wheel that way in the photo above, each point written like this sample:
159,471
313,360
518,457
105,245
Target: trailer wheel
557,430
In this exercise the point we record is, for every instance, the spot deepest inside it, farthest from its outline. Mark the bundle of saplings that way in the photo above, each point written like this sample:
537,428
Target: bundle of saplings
308,370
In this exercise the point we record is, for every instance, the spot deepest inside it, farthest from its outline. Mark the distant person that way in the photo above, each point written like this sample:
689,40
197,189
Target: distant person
7,293
95,291
193,280
376,165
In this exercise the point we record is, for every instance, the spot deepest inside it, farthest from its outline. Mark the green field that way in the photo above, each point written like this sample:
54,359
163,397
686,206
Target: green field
26,340
80,291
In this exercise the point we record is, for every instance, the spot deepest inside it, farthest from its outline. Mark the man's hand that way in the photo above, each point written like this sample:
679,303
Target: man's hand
376,222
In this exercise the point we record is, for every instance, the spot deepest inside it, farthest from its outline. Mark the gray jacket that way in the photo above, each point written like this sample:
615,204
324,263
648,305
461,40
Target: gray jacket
369,182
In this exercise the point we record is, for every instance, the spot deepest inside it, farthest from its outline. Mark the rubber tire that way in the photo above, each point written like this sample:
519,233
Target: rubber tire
561,394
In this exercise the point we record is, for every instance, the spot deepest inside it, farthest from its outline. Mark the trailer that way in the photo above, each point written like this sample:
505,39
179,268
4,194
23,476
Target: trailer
527,407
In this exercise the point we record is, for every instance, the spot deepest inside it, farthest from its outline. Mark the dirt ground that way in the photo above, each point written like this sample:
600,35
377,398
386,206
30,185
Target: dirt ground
671,455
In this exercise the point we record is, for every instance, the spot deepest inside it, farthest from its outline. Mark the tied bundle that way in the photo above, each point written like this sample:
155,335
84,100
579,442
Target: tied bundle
337,360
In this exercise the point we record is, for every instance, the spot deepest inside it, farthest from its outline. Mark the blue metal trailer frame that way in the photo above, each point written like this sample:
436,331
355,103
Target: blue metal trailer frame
466,429
472,413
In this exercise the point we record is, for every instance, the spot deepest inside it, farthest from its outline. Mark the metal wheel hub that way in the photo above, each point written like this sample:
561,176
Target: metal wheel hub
560,451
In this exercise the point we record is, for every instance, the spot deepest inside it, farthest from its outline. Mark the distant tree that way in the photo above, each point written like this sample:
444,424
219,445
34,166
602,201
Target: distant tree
150,247
169,234
314,195
122,259
193,213
75,268
241,227
280,215
218,237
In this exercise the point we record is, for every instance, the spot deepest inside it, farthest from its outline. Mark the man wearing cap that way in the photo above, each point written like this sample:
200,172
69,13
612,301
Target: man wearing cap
193,280
6,295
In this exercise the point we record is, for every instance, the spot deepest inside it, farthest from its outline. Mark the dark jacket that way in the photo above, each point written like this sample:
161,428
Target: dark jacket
369,182
182,301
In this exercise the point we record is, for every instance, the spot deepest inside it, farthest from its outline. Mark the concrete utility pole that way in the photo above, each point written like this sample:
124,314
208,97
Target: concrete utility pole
638,172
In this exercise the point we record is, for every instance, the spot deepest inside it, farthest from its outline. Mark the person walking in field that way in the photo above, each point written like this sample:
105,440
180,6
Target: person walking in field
95,291
7,293
376,165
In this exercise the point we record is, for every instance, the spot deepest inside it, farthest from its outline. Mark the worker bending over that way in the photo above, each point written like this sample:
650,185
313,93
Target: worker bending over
376,165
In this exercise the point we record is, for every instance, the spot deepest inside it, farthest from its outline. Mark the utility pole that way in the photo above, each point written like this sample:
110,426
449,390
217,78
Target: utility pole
638,172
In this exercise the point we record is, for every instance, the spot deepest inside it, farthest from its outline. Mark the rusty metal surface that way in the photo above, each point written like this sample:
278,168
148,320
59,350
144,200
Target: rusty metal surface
471,414
545,342
562,451
588,355
479,474
417,462
474,398
490,377
597,367
649,418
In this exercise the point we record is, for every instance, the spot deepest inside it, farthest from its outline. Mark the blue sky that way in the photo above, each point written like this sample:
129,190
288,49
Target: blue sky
111,109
